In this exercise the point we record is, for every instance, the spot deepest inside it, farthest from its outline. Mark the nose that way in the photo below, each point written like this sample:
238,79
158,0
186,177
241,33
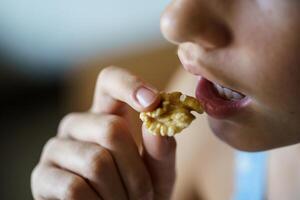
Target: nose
195,21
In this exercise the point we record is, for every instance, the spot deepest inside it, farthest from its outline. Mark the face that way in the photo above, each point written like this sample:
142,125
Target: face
250,47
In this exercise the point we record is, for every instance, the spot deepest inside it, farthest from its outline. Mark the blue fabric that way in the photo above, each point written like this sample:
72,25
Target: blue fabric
250,176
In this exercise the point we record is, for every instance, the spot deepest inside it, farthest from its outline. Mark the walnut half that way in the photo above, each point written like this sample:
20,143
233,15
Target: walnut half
172,115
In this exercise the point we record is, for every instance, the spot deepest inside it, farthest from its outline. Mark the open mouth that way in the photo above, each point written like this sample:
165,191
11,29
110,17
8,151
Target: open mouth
227,93
219,101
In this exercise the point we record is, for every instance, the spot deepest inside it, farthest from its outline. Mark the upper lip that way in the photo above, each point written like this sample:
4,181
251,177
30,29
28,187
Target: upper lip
193,65
200,69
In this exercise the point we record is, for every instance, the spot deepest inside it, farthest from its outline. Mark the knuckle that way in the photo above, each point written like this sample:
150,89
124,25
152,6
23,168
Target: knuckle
65,122
50,144
115,122
108,69
33,180
75,188
115,129
105,71
34,174
99,163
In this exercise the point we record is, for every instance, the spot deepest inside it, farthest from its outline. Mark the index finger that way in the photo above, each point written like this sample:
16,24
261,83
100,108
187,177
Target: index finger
116,86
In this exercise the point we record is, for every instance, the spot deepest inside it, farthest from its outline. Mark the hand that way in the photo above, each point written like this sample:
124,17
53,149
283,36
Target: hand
94,155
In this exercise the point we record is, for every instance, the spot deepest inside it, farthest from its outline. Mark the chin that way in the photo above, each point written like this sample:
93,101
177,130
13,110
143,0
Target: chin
237,136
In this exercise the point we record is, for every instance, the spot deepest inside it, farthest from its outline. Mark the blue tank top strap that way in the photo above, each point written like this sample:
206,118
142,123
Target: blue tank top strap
250,176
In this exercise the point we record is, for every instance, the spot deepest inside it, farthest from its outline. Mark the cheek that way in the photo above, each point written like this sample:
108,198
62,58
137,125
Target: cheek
267,46
276,76
271,57
275,72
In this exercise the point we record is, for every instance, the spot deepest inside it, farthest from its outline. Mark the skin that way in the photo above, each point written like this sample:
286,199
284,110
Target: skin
249,46
103,160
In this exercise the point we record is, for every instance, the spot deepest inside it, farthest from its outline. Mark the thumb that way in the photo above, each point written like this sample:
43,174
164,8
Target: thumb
159,156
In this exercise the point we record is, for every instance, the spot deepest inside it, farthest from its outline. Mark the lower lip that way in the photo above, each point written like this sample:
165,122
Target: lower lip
214,104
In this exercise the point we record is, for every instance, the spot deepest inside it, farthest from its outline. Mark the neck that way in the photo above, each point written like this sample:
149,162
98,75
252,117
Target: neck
284,172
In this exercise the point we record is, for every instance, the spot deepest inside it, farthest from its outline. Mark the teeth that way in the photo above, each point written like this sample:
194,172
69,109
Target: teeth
227,93
236,96
220,89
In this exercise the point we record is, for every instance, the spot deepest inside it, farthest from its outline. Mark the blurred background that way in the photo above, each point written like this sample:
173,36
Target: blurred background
50,55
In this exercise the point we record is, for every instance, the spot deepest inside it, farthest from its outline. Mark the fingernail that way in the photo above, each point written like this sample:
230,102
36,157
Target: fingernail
145,96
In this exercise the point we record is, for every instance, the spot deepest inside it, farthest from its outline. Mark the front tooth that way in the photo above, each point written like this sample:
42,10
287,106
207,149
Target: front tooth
219,89
228,93
236,95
